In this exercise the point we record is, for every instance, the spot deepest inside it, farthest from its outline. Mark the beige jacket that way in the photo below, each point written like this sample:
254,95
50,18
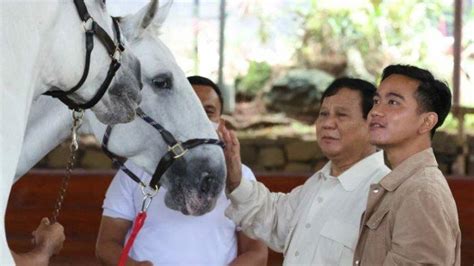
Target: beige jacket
411,218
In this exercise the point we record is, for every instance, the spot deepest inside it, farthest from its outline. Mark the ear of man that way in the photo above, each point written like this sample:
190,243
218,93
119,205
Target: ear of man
430,119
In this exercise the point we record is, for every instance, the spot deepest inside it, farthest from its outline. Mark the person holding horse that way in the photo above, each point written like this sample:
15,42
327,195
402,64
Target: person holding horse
48,240
169,237
316,223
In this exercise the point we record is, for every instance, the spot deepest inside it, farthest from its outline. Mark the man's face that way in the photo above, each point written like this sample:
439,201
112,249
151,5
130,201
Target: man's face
210,101
341,130
394,117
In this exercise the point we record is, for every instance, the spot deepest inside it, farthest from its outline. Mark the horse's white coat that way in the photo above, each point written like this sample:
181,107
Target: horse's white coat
177,109
42,46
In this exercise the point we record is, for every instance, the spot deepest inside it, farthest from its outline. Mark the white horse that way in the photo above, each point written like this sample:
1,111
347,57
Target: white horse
43,48
193,181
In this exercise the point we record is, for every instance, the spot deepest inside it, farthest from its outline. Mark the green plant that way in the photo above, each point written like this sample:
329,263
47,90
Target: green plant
251,83
451,123
382,32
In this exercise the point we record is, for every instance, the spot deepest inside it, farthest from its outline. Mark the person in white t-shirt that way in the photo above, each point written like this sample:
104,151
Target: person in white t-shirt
168,237
316,223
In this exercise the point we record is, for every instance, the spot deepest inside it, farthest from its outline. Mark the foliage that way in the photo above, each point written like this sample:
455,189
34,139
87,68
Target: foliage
451,123
382,32
251,83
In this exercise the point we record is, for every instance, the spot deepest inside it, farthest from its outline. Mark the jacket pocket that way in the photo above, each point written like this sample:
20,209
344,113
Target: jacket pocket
374,221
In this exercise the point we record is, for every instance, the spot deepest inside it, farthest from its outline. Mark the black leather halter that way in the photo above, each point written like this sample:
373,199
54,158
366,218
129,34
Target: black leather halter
176,150
114,50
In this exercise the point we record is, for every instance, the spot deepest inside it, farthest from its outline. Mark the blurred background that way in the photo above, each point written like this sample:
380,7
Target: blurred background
273,59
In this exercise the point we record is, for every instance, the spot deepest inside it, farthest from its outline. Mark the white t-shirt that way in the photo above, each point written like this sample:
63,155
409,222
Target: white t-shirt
168,237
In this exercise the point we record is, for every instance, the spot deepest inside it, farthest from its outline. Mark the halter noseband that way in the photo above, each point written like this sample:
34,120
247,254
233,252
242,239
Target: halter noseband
114,50
176,150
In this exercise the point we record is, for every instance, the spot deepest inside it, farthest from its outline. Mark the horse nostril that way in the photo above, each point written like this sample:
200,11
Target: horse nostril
206,183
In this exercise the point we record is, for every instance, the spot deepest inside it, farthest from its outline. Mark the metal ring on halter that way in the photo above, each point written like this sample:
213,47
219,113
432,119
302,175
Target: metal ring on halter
87,25
78,114
117,55
149,194
147,197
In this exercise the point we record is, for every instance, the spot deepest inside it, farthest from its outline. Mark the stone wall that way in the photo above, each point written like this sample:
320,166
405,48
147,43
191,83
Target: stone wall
284,154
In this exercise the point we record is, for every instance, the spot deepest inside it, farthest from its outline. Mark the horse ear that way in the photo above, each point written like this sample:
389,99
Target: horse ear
150,16
162,14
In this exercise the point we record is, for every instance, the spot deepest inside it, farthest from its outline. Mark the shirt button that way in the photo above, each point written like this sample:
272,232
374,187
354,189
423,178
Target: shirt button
376,190
297,254
308,225
320,199
357,262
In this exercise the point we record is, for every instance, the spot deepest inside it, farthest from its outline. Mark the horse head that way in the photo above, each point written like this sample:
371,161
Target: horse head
66,46
195,180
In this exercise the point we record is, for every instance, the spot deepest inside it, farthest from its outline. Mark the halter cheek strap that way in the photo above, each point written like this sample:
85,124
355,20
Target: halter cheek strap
176,150
91,28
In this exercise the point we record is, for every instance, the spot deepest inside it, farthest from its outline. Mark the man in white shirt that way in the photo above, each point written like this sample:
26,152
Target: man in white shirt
316,223
169,237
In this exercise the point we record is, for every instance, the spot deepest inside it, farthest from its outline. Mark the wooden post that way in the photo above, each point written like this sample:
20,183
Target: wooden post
459,166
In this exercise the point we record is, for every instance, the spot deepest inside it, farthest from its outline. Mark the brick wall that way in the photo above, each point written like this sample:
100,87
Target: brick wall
282,154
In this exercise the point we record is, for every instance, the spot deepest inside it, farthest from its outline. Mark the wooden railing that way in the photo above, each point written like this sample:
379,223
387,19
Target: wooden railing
33,197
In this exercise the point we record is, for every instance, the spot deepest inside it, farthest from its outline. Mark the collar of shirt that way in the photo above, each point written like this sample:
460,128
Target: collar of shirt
362,170
406,169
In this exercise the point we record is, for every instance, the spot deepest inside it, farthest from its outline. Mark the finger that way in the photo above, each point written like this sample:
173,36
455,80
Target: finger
233,137
229,137
219,134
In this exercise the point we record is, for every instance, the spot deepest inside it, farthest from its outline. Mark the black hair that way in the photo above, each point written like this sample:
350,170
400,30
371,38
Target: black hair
199,80
365,88
432,95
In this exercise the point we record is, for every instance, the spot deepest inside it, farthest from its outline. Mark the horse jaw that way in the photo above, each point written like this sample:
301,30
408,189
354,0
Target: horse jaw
120,102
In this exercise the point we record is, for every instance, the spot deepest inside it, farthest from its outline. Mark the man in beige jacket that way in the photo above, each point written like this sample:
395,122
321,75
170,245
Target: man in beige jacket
411,216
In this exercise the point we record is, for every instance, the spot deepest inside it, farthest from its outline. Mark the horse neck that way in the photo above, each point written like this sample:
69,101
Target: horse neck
21,61
39,139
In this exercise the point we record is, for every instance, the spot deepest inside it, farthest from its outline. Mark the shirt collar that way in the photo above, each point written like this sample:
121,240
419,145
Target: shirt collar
406,169
362,170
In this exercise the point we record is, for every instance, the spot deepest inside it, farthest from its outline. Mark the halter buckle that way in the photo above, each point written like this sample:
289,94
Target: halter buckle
177,150
117,56
88,24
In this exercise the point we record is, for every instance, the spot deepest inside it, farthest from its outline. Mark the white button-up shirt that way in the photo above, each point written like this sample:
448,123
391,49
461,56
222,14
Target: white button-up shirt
316,223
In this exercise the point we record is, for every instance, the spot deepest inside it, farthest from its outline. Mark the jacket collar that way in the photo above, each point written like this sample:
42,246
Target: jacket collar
406,169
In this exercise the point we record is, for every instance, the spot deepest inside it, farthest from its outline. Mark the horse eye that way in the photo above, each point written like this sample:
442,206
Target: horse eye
162,83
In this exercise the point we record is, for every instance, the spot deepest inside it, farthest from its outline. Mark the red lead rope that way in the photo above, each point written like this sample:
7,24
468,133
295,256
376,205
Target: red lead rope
137,225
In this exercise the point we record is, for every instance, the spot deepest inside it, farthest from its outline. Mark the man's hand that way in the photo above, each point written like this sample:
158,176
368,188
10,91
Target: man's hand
49,238
232,156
